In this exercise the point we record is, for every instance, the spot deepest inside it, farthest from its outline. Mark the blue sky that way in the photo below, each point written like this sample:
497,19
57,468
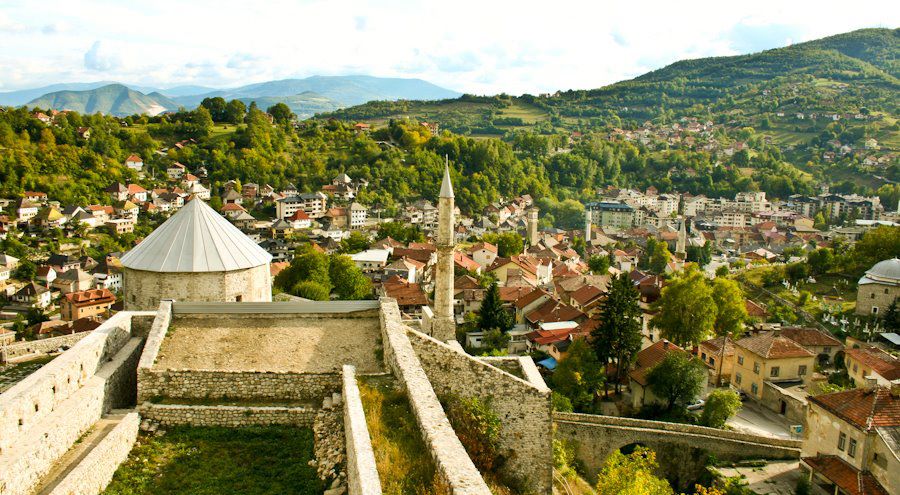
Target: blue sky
481,47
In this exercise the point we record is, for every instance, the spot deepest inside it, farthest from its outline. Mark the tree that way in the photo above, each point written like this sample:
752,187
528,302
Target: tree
632,474
795,272
495,341
891,318
216,107
508,243
400,232
281,113
721,404
310,290
882,243
618,336
820,261
235,111
579,376
687,311
657,256
355,242
600,264
347,279
492,314
722,271
731,313
202,121
677,379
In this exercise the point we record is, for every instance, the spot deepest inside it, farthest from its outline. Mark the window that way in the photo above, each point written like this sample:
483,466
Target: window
775,370
842,441
851,450
827,350
712,361
855,367
737,378
741,360
885,290
872,296
754,388
874,310
703,355
756,367
801,370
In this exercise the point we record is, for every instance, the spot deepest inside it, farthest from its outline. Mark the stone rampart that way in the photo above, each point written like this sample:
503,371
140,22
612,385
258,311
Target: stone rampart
96,470
245,385
43,415
454,466
683,450
227,416
526,437
43,346
362,473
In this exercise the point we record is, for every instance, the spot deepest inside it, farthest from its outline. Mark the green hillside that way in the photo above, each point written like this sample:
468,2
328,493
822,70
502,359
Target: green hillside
112,99
865,61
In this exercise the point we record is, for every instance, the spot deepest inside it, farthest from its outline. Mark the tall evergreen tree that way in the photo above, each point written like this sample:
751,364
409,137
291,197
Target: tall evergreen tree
492,315
618,336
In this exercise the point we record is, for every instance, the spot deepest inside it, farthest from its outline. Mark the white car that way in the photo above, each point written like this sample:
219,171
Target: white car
696,405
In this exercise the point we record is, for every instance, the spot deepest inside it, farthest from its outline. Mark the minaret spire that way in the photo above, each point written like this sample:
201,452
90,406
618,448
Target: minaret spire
444,326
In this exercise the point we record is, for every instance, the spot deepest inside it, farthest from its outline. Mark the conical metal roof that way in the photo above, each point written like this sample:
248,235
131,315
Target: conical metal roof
447,185
196,239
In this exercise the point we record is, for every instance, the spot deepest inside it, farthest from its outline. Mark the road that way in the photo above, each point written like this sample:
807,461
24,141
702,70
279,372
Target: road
755,419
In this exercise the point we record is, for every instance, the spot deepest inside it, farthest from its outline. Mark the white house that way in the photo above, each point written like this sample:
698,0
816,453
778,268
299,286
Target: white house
135,163
370,259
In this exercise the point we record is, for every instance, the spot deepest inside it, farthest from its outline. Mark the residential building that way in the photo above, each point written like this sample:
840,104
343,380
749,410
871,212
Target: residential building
823,345
870,362
645,360
134,162
771,357
33,295
607,214
86,303
313,204
851,443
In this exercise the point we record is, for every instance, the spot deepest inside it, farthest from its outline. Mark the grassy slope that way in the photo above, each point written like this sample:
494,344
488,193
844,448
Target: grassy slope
212,461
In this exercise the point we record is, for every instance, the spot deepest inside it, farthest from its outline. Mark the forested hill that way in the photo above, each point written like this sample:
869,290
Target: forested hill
841,73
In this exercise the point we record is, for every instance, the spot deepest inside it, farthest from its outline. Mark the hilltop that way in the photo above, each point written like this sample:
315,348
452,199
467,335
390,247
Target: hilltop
840,73
112,99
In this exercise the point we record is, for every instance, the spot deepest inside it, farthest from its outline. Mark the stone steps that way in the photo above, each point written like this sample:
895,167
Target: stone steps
79,451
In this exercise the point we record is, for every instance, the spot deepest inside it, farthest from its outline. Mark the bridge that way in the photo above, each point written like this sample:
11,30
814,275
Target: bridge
683,451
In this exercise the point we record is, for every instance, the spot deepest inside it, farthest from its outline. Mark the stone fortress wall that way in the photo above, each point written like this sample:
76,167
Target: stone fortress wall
42,416
169,415
362,473
17,350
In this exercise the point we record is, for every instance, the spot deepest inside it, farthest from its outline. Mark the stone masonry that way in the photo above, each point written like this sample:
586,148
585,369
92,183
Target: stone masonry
443,327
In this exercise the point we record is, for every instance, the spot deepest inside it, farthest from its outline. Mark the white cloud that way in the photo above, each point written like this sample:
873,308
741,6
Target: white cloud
472,46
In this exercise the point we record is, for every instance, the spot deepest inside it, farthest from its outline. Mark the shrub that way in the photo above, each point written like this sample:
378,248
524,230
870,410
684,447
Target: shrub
720,405
478,429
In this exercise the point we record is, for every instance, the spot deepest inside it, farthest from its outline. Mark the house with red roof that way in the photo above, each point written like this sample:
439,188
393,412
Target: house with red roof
772,357
869,362
645,360
852,441
87,303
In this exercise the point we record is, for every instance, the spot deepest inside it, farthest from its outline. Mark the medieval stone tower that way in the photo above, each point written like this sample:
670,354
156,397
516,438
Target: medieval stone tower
444,325
196,255
532,222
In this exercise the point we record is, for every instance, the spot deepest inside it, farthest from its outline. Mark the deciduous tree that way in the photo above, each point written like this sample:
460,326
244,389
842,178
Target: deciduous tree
677,379
686,309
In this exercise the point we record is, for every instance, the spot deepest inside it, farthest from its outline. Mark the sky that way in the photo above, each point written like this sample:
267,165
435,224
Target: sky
479,47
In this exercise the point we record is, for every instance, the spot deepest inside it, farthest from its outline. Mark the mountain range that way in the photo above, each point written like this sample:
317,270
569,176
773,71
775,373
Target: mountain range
306,97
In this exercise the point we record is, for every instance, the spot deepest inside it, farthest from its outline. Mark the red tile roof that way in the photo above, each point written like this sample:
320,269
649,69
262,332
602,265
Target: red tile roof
771,346
862,408
650,357
586,295
530,297
90,297
553,311
807,336
754,310
848,478
880,361
512,294
406,293
487,246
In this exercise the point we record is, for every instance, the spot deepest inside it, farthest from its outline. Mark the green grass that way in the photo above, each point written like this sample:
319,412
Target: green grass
212,461
404,464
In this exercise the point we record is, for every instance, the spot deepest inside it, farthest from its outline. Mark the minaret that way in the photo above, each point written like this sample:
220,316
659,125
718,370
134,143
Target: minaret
532,222
681,243
587,226
444,326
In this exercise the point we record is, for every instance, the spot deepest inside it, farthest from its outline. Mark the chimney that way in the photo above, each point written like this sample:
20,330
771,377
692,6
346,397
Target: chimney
895,389
665,344
871,383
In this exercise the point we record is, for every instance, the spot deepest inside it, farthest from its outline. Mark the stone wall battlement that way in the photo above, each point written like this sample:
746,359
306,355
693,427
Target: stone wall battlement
218,384
228,416
362,472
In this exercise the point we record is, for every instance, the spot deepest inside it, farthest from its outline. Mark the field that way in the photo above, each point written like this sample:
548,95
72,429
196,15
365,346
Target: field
404,465
212,461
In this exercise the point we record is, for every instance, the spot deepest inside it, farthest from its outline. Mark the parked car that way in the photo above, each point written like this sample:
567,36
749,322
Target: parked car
696,405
